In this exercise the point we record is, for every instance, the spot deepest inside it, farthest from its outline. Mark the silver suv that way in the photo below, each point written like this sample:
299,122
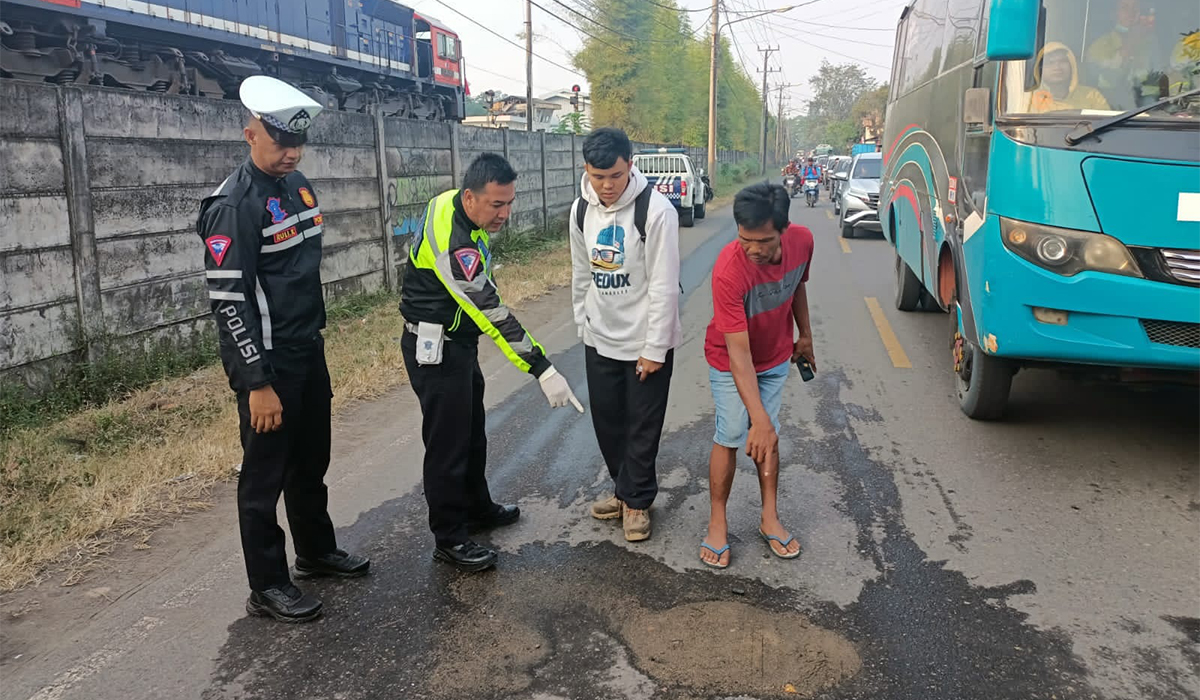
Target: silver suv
858,198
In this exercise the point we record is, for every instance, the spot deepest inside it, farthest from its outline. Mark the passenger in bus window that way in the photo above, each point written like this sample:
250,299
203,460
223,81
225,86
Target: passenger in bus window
1057,75
1121,61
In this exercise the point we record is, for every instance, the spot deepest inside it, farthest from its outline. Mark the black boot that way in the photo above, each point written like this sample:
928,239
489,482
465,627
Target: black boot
285,603
467,556
336,563
500,515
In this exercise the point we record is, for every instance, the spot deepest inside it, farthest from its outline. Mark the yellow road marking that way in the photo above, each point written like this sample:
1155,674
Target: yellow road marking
845,245
829,214
887,335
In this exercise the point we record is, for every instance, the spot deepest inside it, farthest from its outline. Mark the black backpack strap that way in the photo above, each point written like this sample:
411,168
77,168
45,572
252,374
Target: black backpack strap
641,210
581,206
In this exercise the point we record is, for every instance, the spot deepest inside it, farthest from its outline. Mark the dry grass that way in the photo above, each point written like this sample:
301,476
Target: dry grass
72,489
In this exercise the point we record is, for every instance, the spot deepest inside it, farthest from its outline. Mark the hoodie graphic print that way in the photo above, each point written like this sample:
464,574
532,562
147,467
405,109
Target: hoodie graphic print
625,292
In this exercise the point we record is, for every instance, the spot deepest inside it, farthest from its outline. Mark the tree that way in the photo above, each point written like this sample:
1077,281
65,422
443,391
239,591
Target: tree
649,76
835,88
869,111
831,118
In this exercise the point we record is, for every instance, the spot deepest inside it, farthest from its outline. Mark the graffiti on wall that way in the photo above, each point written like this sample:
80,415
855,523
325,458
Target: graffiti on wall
406,200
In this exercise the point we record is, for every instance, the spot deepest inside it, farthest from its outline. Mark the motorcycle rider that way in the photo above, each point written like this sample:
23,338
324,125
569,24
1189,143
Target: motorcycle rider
792,170
812,171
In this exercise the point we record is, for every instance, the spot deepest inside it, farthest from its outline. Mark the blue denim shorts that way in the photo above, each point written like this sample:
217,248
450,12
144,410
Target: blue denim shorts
733,421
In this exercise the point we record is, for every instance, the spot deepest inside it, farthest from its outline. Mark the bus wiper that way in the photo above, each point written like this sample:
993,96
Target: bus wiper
1083,131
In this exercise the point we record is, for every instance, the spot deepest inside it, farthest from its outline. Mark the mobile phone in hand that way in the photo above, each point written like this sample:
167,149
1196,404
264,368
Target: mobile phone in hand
806,370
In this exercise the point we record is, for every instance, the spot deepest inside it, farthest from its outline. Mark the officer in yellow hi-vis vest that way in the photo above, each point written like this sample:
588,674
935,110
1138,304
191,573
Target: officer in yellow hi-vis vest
449,300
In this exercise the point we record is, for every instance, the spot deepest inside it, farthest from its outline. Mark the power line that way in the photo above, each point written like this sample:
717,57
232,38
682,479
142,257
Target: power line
840,26
501,36
577,27
838,53
678,9
472,67
691,31
857,42
599,24
772,10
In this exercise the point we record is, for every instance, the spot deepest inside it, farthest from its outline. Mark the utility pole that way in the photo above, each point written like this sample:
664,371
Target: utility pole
712,95
779,125
529,65
762,148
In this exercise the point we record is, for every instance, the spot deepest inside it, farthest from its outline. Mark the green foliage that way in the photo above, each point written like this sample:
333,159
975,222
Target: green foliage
513,247
85,385
572,123
842,96
650,78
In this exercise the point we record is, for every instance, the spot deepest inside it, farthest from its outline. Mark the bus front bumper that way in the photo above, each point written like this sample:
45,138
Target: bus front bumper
1026,312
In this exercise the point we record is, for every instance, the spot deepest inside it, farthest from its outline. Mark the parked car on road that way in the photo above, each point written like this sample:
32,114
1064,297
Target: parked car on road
839,164
858,205
671,171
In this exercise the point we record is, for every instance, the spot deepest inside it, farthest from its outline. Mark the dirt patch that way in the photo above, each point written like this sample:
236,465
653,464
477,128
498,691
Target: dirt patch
731,647
518,624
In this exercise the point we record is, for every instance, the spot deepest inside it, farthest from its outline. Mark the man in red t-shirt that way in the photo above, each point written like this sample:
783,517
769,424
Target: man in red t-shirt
758,291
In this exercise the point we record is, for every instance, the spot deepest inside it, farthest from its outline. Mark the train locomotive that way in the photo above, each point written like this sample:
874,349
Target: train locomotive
347,54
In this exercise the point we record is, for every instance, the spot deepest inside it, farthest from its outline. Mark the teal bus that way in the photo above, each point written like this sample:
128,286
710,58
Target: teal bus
1041,185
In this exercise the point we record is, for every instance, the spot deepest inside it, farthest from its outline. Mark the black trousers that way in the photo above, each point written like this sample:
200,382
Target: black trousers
628,415
292,461
452,428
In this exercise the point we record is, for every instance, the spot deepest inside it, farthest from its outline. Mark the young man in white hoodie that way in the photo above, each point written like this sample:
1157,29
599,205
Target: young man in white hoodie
625,292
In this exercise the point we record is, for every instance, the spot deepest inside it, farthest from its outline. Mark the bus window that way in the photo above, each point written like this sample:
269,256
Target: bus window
962,23
923,43
1126,54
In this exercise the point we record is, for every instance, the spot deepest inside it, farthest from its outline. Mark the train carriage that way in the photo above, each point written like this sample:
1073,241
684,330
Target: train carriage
348,54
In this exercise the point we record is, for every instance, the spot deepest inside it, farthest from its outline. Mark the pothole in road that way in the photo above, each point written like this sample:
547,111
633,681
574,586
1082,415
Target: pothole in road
524,630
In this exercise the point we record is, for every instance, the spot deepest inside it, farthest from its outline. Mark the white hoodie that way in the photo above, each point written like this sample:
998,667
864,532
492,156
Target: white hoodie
626,293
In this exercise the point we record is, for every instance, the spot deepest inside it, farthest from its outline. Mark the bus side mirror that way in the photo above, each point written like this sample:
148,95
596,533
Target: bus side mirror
977,108
1012,30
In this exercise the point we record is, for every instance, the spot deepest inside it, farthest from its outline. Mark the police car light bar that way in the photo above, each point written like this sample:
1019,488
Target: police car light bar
664,150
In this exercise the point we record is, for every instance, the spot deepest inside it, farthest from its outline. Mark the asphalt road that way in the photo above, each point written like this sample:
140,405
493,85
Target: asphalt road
1053,555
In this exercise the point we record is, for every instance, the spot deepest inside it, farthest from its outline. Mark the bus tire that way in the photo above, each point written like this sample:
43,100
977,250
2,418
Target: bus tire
982,381
700,211
687,217
908,287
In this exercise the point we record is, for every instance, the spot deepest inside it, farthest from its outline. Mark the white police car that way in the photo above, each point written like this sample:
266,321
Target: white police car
671,172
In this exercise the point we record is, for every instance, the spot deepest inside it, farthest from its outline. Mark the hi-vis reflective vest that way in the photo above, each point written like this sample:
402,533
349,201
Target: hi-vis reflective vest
449,282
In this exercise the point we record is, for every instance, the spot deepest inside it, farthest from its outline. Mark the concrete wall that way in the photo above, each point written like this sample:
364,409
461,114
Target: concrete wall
99,191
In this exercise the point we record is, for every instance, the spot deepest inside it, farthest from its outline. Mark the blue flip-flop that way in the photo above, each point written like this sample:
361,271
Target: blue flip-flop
769,538
717,552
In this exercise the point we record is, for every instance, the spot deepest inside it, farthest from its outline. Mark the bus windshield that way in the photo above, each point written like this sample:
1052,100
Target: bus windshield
1101,57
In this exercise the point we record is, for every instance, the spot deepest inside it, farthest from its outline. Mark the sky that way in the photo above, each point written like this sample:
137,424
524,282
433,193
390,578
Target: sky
864,30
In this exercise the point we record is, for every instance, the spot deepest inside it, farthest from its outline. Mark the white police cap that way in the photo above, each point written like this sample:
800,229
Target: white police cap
279,105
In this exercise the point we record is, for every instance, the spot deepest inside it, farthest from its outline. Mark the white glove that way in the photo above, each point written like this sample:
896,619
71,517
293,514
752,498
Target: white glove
556,389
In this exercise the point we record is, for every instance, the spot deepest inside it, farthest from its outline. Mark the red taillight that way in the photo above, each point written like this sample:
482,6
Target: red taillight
682,188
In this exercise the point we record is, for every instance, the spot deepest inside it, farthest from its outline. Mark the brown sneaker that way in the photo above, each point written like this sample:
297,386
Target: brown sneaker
637,524
607,508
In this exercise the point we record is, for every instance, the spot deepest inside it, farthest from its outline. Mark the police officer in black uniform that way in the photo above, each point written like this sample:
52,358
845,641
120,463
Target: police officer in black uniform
262,237
449,300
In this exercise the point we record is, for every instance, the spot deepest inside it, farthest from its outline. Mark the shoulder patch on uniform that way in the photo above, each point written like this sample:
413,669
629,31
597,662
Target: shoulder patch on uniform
276,210
468,259
218,246
307,197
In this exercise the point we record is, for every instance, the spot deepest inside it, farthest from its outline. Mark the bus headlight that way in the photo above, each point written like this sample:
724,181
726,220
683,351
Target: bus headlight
1066,251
